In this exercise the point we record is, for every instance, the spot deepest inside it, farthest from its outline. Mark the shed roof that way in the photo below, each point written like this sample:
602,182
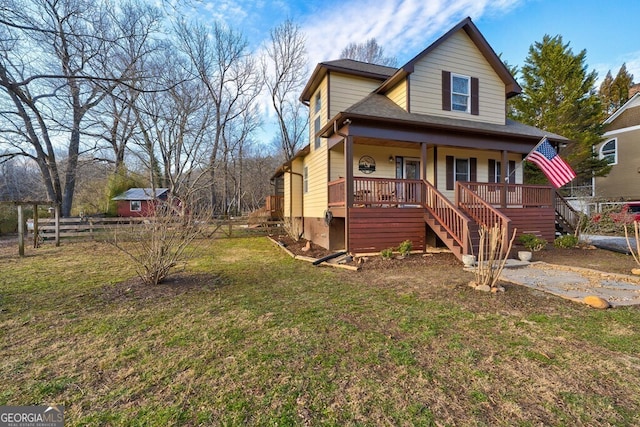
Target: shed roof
141,194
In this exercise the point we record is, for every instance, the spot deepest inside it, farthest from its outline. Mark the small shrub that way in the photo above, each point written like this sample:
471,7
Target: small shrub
386,253
532,242
565,242
405,247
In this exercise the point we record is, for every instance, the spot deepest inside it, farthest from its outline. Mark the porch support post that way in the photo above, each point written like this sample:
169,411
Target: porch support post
503,178
423,161
348,185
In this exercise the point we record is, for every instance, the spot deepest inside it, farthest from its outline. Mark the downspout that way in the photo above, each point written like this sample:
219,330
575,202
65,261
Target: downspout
346,198
291,172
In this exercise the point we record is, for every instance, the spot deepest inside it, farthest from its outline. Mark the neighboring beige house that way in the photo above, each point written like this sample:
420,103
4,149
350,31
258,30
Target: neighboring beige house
423,152
622,147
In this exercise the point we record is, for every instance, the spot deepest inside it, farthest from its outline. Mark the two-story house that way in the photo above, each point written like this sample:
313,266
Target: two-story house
621,146
423,152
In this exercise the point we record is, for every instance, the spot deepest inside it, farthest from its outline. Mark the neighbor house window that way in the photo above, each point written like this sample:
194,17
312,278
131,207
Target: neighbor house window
318,102
609,151
135,206
460,92
305,180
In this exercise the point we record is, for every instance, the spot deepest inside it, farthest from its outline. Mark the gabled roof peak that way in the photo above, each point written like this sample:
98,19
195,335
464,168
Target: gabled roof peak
511,85
634,101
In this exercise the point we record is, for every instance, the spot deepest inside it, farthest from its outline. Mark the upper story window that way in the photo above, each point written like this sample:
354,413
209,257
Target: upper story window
316,129
305,180
317,107
460,92
609,151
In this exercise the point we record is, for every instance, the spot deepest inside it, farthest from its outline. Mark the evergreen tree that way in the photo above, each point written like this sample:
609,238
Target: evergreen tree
559,96
621,85
614,93
605,93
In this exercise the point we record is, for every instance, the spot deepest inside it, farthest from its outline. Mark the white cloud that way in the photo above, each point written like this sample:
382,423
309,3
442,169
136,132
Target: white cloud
402,27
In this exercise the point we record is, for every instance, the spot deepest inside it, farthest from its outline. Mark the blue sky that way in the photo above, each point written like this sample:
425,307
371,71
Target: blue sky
404,27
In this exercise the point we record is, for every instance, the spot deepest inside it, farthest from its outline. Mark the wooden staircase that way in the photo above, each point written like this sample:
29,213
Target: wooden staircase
567,218
447,222
457,224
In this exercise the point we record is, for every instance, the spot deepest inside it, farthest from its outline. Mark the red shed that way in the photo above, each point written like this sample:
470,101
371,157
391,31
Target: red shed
139,201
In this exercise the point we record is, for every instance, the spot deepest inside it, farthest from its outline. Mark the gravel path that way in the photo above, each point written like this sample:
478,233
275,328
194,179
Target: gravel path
576,283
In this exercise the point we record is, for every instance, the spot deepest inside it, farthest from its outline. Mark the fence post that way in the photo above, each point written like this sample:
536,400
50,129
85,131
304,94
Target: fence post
20,231
57,213
35,226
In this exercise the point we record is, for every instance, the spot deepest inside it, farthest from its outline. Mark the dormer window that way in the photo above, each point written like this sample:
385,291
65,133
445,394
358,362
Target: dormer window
460,92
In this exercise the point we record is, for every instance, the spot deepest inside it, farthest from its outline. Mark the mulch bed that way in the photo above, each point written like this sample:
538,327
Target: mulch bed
584,256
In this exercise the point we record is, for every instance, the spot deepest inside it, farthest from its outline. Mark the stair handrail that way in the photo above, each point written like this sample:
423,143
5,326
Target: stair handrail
455,222
477,208
565,211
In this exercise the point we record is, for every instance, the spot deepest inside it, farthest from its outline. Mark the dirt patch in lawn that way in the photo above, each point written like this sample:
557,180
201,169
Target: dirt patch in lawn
174,285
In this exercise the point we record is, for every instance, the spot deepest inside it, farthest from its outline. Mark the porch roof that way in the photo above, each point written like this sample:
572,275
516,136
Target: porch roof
381,109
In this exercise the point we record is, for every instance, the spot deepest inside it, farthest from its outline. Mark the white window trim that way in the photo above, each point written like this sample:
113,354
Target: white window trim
468,94
131,202
601,155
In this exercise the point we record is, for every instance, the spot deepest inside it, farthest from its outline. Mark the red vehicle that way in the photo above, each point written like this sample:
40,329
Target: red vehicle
634,209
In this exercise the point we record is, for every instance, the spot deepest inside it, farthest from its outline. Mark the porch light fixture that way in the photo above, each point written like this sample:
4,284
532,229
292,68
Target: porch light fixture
391,159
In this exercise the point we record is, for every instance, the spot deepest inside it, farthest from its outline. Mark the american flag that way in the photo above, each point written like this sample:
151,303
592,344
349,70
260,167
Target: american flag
545,157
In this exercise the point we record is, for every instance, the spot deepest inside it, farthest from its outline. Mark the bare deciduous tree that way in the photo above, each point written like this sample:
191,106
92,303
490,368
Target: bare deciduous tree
56,64
284,67
221,60
369,51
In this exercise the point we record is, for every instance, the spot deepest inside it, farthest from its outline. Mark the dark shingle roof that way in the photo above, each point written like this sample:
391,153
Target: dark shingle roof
380,107
141,194
362,67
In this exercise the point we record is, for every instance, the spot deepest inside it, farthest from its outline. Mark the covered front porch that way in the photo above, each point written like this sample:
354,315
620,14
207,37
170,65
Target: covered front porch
380,212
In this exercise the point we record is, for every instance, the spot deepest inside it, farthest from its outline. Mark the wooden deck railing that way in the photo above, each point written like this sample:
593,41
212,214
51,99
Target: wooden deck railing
565,213
445,212
513,195
275,205
337,191
479,210
378,192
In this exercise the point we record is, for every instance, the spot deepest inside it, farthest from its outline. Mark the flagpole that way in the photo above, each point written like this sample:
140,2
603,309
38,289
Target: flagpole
537,145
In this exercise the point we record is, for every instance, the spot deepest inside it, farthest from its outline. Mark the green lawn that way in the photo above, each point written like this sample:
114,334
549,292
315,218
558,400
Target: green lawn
250,336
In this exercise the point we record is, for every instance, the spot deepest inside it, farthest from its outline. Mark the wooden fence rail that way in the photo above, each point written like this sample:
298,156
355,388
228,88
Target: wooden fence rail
90,227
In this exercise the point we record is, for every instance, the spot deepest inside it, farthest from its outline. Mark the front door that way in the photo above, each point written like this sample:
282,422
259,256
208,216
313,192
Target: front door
408,168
